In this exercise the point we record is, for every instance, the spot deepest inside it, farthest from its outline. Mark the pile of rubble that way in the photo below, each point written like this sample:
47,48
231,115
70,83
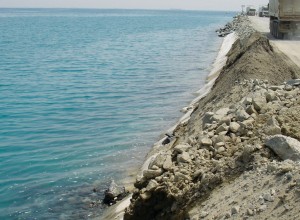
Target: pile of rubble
240,25
261,128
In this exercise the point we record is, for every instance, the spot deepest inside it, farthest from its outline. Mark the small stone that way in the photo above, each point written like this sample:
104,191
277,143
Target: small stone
259,102
222,128
247,101
272,127
207,118
287,207
285,147
227,215
268,197
158,161
168,162
210,134
285,168
181,147
221,149
274,88
271,96
203,214
183,158
242,115
206,142
288,87
226,120
262,208
222,111
235,210
251,110
273,192
114,193
250,212
289,176
271,167
151,185
145,196
234,127
220,144
180,176
149,174
261,200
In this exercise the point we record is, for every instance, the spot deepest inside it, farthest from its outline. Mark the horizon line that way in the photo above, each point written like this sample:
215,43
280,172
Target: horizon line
158,9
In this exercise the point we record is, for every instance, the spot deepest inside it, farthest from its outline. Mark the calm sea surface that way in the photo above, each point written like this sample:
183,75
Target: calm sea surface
83,96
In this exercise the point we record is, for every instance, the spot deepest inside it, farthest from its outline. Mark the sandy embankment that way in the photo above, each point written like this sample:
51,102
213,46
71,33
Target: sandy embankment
220,164
117,211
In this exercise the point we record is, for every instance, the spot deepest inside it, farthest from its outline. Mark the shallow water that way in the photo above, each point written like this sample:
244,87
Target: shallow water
85,93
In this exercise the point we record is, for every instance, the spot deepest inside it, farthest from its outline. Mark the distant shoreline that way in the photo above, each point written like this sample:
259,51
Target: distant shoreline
127,9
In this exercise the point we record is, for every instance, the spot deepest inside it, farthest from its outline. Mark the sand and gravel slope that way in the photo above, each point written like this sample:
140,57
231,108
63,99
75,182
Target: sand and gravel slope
290,46
237,157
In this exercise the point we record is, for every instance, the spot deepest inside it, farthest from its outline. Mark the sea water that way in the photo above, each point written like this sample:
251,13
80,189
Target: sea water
83,96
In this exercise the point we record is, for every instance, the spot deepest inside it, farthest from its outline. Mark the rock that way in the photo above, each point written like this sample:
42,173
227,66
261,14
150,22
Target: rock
180,148
168,163
259,102
268,197
242,115
222,128
272,192
220,144
227,215
151,185
274,88
242,129
197,174
285,147
183,158
235,210
234,127
247,101
256,82
221,149
272,127
145,195
262,208
226,120
250,212
207,118
180,176
220,114
149,174
158,161
222,111
261,200
270,96
211,127
293,82
114,193
288,87
289,176
206,141
221,138
251,110
203,214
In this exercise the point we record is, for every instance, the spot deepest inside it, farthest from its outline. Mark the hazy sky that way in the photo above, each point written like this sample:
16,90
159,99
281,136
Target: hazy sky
232,5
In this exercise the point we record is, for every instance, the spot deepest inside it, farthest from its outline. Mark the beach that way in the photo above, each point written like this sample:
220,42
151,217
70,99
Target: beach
221,161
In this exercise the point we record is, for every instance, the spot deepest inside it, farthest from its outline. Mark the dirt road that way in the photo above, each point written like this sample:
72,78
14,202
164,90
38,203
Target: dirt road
291,48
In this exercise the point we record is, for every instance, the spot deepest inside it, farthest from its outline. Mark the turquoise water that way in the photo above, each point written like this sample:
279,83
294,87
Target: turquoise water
85,93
